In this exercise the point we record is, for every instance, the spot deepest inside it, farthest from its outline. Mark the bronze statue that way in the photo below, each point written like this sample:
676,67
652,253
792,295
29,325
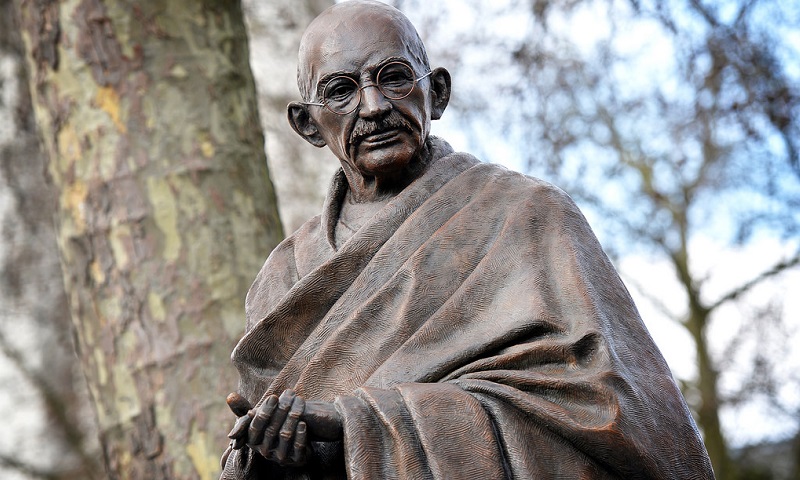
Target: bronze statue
442,318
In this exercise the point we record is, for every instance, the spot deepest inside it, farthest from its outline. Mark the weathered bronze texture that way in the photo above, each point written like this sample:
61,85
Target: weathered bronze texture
442,318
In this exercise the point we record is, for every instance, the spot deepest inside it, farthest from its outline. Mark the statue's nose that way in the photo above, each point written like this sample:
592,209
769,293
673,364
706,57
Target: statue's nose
373,102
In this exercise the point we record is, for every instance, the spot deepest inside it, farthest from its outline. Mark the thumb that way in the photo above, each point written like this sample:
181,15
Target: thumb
238,404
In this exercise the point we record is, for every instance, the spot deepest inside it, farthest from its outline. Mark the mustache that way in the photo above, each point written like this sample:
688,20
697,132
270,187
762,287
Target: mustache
364,128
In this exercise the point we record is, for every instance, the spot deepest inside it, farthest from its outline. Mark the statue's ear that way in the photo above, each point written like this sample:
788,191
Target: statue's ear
440,92
302,123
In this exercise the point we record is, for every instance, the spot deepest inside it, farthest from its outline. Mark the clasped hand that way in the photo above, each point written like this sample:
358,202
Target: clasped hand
280,428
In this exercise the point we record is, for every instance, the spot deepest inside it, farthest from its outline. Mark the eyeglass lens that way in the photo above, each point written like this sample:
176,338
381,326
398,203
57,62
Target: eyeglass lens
395,81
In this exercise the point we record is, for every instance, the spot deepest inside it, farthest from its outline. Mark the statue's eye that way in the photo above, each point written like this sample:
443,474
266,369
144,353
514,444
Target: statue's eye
340,89
396,75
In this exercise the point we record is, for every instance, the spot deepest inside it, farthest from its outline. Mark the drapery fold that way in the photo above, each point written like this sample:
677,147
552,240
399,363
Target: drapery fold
473,328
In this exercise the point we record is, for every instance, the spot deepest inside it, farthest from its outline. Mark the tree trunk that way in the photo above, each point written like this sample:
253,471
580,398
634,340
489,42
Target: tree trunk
707,385
697,320
165,213
44,401
302,173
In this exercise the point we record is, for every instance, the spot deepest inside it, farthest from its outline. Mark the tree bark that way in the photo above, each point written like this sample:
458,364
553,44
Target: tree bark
165,213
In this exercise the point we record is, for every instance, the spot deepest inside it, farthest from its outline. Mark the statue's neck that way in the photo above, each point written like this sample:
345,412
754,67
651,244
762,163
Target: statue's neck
353,215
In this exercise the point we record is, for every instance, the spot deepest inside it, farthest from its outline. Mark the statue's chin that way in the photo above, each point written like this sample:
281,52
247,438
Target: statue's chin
386,155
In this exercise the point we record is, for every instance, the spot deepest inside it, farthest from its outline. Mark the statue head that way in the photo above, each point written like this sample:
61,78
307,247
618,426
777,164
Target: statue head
369,93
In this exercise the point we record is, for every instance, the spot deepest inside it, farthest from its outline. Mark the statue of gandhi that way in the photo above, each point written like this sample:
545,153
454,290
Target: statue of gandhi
442,317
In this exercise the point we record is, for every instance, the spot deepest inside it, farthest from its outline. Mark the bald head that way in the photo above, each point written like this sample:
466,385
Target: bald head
348,29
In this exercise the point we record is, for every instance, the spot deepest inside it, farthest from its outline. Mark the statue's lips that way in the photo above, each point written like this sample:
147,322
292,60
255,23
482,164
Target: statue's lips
379,138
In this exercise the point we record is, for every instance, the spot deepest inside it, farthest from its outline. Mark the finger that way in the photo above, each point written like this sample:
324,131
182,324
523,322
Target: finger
298,456
287,432
278,417
262,416
238,404
239,443
241,426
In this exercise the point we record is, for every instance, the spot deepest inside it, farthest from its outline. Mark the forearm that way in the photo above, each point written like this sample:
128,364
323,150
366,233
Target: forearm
323,421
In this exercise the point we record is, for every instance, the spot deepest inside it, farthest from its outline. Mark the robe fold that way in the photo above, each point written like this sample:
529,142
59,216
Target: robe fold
472,329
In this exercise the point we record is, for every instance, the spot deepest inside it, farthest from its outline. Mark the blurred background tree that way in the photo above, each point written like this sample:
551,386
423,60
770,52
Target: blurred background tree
300,172
47,425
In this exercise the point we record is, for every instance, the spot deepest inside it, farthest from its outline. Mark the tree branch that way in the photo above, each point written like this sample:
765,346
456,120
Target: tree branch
652,299
744,288
53,402
12,463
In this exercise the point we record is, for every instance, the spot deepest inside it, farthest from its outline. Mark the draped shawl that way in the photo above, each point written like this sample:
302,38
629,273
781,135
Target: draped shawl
473,328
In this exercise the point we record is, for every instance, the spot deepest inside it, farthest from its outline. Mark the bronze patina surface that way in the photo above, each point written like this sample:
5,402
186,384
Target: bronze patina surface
442,318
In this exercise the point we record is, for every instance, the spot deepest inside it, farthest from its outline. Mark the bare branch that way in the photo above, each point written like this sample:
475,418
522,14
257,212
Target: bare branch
13,463
745,287
652,299
53,402
704,12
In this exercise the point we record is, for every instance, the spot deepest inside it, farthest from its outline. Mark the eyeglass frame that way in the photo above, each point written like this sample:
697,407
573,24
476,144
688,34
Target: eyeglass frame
374,84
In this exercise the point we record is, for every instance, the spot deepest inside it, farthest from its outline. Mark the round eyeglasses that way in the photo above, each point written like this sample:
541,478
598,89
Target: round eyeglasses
342,94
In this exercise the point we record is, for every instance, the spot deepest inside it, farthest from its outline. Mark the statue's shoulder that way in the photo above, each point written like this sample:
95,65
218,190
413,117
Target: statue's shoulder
308,240
284,266
515,187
